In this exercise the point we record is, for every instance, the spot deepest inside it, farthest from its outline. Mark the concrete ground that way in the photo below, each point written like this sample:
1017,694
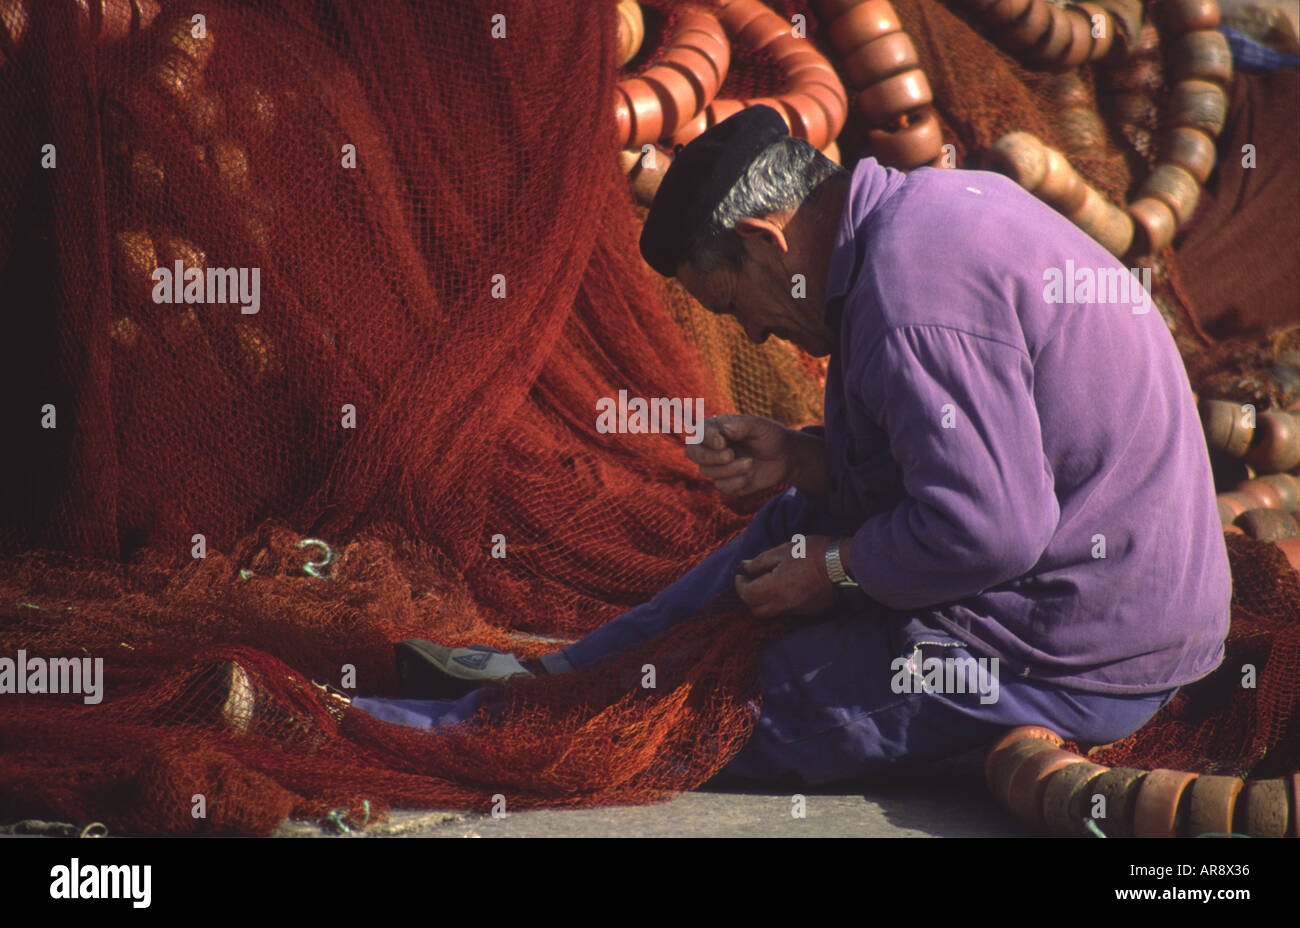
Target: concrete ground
948,801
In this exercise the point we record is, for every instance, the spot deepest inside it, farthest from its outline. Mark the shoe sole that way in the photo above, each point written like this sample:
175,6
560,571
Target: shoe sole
423,672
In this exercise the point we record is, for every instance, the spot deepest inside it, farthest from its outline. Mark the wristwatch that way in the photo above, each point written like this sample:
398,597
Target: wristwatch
835,568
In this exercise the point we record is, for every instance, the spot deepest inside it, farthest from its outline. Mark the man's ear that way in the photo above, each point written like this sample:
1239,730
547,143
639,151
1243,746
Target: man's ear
765,230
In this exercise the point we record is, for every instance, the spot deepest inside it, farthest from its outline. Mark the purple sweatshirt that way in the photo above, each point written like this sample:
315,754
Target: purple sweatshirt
1018,464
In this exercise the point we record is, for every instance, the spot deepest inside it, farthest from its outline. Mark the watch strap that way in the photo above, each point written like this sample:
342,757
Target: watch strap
835,567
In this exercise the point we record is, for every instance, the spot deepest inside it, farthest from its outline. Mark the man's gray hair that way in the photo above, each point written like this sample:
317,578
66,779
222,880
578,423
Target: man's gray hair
783,175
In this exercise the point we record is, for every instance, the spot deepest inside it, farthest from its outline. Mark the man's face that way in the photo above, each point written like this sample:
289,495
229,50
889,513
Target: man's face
761,293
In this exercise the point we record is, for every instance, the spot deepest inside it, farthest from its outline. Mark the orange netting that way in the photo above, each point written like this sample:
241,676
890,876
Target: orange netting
462,296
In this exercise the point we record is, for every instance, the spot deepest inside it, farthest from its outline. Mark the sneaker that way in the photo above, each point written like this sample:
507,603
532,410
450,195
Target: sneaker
426,670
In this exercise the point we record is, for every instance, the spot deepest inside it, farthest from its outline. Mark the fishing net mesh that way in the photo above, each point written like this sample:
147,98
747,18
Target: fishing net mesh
437,319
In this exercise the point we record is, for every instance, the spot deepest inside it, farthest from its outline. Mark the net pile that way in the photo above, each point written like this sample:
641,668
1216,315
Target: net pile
463,295
1243,719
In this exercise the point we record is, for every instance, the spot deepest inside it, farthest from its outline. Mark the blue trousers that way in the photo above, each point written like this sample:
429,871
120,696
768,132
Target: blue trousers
831,702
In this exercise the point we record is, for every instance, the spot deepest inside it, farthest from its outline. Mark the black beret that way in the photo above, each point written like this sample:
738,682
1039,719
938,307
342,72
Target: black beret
701,175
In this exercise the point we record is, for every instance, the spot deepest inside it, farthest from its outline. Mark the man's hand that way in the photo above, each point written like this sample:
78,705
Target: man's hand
776,583
745,454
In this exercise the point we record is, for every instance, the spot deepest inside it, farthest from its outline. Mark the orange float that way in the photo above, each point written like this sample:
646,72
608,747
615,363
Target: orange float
1119,786
697,68
1154,224
1192,15
1079,48
883,57
1162,802
1268,524
1062,188
1290,548
645,119
1203,55
1295,804
1273,491
910,146
1066,798
1022,157
1100,18
1032,28
1006,762
1192,150
894,96
1006,12
1265,811
1174,186
814,108
1113,228
1053,44
738,14
1230,506
863,23
1016,736
1199,105
1213,805
631,30
669,95
762,31
1227,428
876,55
1028,783
1276,443
1063,38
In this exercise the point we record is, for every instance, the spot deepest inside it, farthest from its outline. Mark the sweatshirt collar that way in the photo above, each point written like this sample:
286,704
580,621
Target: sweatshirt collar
870,186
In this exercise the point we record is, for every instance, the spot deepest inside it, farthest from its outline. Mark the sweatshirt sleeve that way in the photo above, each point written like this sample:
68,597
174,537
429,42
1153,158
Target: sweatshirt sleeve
963,428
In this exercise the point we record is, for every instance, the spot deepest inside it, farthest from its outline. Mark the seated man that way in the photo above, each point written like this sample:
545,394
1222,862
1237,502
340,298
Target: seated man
1011,474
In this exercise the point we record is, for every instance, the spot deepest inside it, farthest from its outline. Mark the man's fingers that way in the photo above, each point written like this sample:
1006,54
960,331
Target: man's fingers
735,428
756,594
733,486
737,468
731,451
713,435
750,590
772,584
762,563
702,455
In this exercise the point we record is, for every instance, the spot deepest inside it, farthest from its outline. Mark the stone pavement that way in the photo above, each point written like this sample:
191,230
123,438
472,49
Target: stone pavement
946,801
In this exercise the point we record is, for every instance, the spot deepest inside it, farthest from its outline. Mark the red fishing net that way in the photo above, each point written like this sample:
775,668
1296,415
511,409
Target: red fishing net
1242,719
437,320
